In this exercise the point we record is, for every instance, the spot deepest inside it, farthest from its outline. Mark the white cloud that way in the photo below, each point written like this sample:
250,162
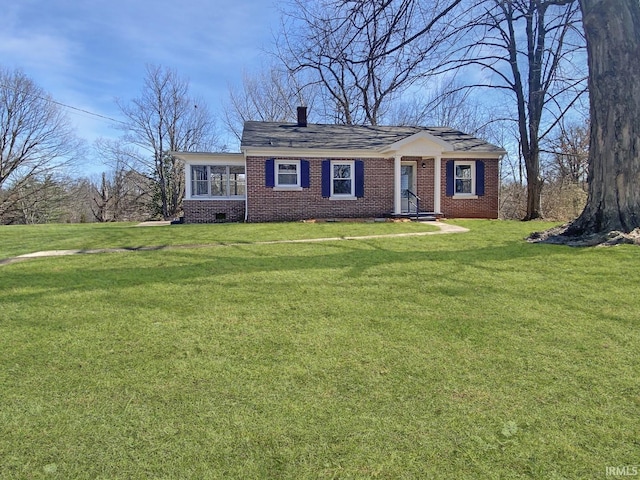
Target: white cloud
88,53
38,51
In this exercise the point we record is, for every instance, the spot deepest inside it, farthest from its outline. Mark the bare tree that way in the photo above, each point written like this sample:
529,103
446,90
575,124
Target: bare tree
36,139
121,192
269,95
531,50
570,154
445,104
364,54
527,48
41,199
120,195
78,200
101,199
166,119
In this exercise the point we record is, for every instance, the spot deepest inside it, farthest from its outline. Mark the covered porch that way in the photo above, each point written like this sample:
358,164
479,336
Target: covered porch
417,187
417,175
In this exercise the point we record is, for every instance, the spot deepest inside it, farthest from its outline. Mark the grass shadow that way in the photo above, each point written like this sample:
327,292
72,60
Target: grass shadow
352,259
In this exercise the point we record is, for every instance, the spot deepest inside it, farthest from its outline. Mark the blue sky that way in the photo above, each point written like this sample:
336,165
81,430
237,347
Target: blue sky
87,53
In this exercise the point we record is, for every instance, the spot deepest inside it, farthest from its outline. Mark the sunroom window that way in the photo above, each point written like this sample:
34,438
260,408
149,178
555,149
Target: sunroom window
217,181
237,182
199,180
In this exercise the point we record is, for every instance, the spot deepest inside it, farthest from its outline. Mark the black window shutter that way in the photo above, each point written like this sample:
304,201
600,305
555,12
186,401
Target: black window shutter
304,173
326,178
269,176
479,177
450,178
359,178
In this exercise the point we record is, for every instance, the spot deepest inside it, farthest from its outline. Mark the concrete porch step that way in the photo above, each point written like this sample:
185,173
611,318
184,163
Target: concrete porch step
421,216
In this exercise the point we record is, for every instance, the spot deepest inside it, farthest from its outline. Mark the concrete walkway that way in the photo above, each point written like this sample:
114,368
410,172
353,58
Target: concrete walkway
444,229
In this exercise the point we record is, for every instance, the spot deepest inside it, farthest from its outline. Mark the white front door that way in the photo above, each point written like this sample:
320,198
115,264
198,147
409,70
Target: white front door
408,183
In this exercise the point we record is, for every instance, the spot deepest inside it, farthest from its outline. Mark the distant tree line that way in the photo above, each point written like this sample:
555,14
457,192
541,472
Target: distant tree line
39,154
65,199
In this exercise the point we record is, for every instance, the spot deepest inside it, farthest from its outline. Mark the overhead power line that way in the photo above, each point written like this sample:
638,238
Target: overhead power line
65,105
86,111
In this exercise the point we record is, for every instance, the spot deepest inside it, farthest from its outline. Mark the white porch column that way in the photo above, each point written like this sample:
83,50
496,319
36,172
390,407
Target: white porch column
437,183
397,185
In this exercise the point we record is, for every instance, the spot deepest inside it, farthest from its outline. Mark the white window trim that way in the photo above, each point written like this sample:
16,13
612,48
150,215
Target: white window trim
344,196
465,196
208,196
277,186
192,180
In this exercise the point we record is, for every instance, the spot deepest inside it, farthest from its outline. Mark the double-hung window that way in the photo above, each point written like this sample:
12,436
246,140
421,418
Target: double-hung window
287,173
342,179
464,178
218,181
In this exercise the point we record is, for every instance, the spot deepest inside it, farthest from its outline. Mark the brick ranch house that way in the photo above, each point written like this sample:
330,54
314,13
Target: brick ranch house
296,171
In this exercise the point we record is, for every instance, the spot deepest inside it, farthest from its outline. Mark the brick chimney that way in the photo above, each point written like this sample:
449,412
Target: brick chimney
302,116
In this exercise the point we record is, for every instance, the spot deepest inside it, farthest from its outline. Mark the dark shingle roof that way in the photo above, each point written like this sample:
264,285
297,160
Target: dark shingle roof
352,137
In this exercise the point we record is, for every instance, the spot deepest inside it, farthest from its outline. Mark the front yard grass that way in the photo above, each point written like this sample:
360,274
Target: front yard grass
471,355
21,239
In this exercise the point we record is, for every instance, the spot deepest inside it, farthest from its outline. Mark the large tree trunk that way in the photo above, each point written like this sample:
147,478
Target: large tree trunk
534,181
534,191
612,29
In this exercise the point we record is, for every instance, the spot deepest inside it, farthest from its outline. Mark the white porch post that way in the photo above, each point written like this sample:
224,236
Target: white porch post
437,183
397,185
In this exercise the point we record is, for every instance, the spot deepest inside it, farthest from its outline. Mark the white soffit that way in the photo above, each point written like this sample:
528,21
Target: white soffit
194,157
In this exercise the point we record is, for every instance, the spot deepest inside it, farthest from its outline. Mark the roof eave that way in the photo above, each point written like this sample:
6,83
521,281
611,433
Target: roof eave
363,153
310,152
206,156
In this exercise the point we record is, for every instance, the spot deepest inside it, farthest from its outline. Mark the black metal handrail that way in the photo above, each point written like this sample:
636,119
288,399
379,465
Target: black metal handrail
415,202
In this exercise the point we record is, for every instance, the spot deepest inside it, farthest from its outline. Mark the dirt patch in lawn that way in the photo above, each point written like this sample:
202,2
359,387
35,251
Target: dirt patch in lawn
556,236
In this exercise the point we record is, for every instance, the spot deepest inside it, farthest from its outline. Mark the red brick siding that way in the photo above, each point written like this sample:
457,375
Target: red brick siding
205,211
268,205
485,206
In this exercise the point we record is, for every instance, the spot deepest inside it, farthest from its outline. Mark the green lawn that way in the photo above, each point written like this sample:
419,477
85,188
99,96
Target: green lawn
471,355
20,239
